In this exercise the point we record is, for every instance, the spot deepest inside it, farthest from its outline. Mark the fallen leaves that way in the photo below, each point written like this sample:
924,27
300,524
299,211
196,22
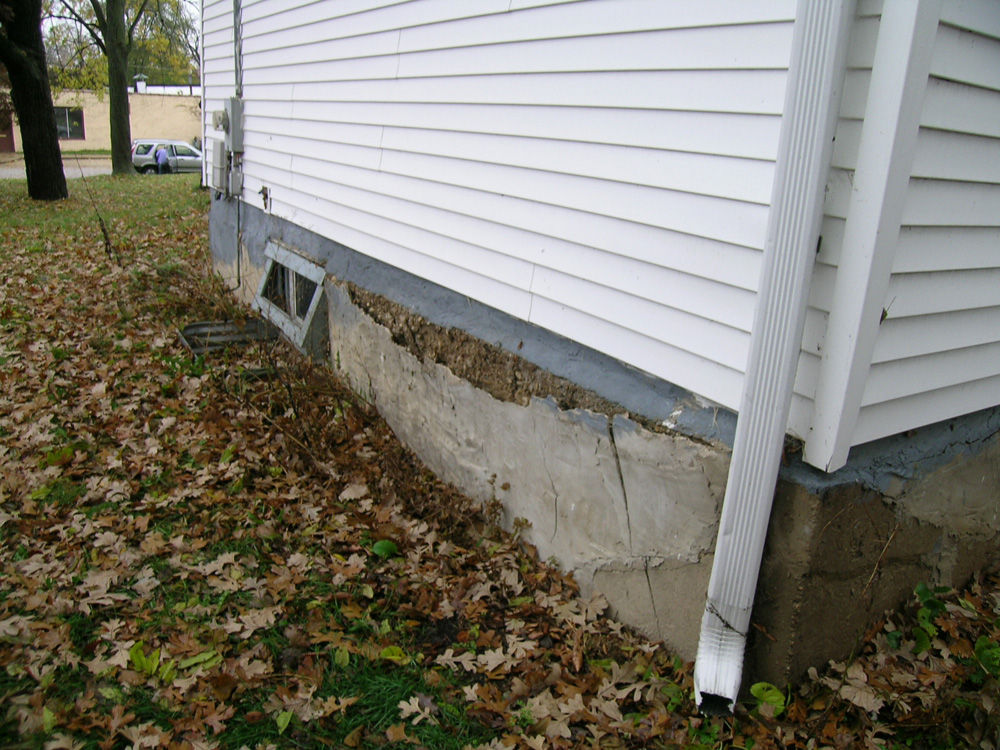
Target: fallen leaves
397,733
184,561
221,552
854,688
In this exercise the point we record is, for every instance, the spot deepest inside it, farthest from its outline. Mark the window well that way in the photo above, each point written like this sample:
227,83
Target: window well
291,296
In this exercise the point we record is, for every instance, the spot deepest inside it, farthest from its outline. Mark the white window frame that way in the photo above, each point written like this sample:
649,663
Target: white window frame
293,325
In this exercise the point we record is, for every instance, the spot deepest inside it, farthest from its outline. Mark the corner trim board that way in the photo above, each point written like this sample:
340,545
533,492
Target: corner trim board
871,231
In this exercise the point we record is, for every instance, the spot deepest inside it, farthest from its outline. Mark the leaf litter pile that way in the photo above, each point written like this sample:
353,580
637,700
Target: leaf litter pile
236,552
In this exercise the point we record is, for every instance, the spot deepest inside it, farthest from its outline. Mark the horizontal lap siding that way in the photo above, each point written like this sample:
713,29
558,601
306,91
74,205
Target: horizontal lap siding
218,63
599,168
938,352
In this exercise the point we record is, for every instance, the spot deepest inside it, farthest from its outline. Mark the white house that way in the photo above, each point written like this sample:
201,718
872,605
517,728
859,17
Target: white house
761,225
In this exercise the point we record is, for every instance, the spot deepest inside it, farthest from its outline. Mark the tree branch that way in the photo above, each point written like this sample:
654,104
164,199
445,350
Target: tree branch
135,22
102,20
95,33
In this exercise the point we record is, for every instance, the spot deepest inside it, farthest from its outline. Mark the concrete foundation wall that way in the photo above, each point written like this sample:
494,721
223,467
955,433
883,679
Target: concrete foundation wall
629,511
633,512
838,557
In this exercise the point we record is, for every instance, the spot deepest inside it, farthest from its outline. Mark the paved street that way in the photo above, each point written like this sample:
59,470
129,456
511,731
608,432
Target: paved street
12,166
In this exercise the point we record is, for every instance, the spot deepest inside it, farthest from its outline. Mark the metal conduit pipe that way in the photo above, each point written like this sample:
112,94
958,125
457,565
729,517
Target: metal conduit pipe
812,101
235,159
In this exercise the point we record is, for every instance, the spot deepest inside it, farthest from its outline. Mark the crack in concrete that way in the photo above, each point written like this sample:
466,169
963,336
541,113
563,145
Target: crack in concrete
652,598
555,525
552,485
621,483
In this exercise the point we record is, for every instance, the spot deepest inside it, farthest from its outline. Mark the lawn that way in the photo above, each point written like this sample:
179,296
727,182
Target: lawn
236,552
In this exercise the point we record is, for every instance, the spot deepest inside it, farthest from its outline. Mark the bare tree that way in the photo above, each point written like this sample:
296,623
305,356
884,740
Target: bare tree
22,52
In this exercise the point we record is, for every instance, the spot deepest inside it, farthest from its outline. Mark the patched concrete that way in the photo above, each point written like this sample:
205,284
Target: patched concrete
838,557
631,512
675,487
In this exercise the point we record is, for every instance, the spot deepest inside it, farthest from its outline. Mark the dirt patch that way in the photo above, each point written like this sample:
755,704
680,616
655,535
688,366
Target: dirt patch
502,374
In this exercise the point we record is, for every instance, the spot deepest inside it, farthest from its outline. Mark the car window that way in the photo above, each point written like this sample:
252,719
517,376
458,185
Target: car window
184,151
143,148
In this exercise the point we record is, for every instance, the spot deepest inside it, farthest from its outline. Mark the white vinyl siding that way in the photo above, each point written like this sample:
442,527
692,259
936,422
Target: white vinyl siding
937,354
603,169
600,168
218,61
939,348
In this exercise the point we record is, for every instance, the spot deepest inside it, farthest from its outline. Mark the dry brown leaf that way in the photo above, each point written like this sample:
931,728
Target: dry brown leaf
397,733
354,738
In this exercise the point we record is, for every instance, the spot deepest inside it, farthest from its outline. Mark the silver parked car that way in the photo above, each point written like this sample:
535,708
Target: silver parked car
182,157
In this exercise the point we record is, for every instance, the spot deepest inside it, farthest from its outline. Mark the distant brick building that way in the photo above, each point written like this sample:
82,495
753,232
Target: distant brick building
83,119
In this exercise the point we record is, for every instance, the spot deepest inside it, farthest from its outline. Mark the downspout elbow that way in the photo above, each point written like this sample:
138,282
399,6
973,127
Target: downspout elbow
719,663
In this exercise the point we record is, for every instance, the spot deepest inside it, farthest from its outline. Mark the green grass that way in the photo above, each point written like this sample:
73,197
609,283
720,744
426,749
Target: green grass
129,206
378,689
62,492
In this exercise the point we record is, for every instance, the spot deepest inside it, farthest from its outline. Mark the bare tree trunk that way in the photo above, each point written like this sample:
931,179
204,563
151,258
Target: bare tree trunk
116,39
40,138
22,51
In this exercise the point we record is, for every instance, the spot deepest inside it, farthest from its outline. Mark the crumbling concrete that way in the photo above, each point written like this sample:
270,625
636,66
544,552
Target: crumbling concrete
634,513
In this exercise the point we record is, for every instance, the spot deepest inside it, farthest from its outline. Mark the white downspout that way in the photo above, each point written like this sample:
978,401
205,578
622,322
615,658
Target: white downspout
812,101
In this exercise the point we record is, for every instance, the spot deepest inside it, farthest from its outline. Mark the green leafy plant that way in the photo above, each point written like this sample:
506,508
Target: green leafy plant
769,695
150,664
385,548
988,654
931,608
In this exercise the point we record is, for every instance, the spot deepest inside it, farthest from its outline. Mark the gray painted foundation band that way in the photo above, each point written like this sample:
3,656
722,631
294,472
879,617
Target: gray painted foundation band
872,465
638,392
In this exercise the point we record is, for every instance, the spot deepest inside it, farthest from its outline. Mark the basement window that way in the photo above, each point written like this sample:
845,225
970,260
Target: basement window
291,296
289,291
